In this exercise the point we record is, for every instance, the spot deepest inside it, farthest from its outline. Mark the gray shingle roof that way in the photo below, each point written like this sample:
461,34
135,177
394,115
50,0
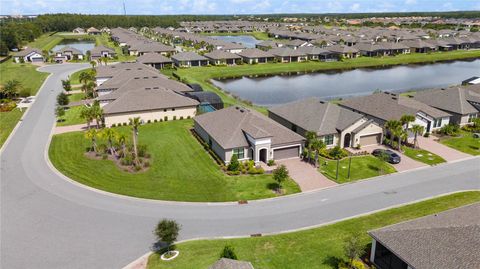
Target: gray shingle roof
72,49
27,51
225,263
318,116
389,106
286,52
255,53
188,56
450,239
153,58
228,127
220,55
453,99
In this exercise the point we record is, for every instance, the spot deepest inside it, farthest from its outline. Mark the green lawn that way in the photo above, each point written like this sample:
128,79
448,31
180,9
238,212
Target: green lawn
104,40
257,35
75,97
71,117
423,156
45,41
361,168
313,248
465,143
203,75
8,121
181,169
25,73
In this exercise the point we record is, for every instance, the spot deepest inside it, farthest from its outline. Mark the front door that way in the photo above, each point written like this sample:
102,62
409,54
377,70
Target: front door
346,140
263,155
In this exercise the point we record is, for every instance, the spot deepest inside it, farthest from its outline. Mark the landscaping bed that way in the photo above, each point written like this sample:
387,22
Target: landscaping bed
180,170
361,167
314,248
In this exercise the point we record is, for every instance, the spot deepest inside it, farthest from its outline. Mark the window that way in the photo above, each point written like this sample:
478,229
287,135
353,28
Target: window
471,117
437,123
239,152
328,139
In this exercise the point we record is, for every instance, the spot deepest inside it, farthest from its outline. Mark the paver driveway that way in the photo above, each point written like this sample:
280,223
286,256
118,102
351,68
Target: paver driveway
306,175
449,154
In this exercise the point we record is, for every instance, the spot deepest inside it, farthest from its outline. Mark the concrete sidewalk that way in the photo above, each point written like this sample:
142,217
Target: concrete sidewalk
71,128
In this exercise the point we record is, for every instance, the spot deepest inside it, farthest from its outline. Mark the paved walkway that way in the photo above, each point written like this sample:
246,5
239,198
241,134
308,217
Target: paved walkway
449,154
71,128
306,175
406,163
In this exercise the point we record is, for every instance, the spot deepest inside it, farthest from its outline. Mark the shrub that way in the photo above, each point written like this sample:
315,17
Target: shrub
104,156
450,129
149,121
62,99
337,153
102,148
229,253
280,174
427,134
165,118
181,117
155,120
113,125
124,124
142,150
188,117
234,164
271,162
174,117
137,168
127,160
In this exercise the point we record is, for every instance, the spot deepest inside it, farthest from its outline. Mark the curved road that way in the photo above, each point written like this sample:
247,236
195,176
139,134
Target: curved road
50,222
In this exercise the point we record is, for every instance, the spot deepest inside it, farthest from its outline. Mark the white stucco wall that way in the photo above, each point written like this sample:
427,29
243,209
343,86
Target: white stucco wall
150,115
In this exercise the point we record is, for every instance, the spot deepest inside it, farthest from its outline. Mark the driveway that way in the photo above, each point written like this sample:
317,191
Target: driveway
306,175
449,154
47,221
406,164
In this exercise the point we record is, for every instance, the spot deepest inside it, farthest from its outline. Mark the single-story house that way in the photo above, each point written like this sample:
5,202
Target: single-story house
93,31
233,47
296,43
394,48
68,53
462,102
150,47
220,57
101,51
33,55
106,72
385,106
225,263
333,124
471,81
420,46
254,56
207,99
78,30
268,44
449,239
318,54
189,59
288,55
344,51
247,134
155,60
369,49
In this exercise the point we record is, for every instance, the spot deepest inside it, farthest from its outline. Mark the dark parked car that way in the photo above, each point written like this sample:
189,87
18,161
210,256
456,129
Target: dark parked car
391,156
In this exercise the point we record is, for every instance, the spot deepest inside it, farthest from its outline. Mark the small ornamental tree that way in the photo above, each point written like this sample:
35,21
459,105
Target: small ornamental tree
229,253
167,232
353,247
234,164
280,174
62,99
59,112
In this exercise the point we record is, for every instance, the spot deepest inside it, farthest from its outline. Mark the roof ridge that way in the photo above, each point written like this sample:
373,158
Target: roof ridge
324,116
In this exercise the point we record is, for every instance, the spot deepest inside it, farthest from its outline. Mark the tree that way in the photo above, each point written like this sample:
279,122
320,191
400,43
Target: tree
234,164
416,129
87,115
97,113
122,140
92,135
280,174
317,146
109,134
62,99
84,77
353,247
59,112
11,88
67,86
93,63
167,232
405,120
229,253
311,136
394,128
135,123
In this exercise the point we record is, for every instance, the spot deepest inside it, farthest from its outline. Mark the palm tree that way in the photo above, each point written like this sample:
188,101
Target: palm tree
317,145
311,136
84,77
92,135
390,126
11,88
405,120
94,64
400,134
109,134
66,85
97,113
122,140
87,115
135,122
416,129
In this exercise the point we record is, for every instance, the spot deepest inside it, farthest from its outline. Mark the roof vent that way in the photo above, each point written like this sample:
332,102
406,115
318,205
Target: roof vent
155,77
136,78
322,102
156,87
145,77
148,89
128,69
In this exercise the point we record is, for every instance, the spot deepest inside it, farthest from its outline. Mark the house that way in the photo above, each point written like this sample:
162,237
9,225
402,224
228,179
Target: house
155,60
101,51
384,106
247,134
471,81
32,55
461,102
105,30
93,31
333,124
296,43
288,55
318,54
449,239
189,59
68,53
78,30
220,57
268,44
344,51
369,49
125,71
254,56
419,46
394,48
141,48
225,263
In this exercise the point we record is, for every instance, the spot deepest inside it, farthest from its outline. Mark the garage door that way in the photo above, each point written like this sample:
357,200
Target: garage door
370,139
285,153
36,60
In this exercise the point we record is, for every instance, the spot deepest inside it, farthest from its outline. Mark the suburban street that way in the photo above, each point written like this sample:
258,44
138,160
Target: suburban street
48,221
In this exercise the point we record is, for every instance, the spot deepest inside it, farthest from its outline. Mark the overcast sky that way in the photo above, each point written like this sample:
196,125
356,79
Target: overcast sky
154,7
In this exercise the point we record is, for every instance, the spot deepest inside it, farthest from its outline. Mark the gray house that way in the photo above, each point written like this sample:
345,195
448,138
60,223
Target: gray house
449,239
255,56
220,57
247,134
332,124
189,59
463,103
155,60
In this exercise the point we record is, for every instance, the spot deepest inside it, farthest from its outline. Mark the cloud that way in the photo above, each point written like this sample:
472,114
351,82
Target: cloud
410,2
355,7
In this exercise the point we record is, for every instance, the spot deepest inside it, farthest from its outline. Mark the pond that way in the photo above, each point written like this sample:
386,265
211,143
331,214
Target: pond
274,90
80,44
246,40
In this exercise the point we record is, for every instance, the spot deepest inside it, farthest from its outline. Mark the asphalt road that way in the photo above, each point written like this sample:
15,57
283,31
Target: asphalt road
50,222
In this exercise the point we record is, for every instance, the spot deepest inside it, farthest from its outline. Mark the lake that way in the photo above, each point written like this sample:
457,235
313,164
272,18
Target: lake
274,90
246,40
82,45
